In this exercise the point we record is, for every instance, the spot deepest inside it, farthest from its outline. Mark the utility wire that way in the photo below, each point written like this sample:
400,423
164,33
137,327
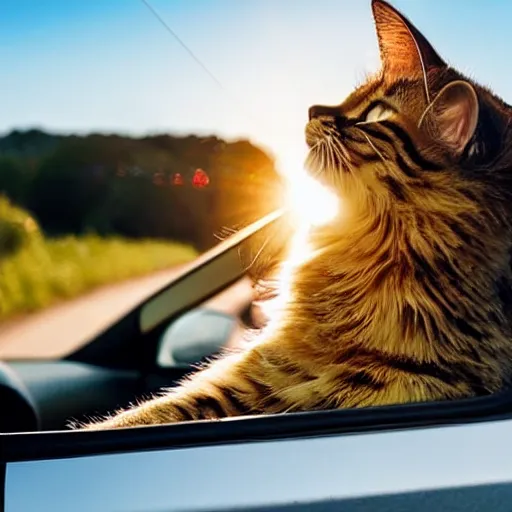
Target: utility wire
197,59
182,43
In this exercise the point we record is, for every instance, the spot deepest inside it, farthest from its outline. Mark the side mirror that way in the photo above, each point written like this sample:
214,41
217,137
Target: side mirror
194,336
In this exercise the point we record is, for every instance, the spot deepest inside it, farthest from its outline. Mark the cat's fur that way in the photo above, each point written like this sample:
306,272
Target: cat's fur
409,295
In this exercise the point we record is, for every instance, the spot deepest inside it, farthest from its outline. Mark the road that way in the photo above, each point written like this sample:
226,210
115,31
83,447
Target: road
58,330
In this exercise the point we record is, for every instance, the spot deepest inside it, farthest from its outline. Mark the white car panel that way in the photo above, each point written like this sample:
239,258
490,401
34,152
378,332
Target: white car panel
269,473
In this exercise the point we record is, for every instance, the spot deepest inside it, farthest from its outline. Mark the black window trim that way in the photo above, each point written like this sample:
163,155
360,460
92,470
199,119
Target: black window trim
19,447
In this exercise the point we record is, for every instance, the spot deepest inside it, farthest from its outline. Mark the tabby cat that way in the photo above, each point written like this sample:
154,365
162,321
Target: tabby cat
408,296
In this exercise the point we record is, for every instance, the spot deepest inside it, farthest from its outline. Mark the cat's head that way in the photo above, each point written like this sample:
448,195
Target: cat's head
416,129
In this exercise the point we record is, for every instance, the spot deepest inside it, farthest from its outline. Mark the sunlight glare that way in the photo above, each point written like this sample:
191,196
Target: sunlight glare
311,204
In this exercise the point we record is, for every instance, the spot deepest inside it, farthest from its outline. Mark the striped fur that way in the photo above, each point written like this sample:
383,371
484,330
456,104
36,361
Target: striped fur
408,297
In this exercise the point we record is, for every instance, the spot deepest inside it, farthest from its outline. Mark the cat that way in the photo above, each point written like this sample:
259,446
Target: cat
408,295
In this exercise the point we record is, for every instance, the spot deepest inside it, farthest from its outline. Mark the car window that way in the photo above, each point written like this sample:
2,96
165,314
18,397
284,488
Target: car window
111,179
136,135
129,147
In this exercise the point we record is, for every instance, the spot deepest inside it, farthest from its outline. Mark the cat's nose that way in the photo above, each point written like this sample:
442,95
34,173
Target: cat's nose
319,111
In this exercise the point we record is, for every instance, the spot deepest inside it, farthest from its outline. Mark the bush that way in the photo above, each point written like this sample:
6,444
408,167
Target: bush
17,228
47,271
36,272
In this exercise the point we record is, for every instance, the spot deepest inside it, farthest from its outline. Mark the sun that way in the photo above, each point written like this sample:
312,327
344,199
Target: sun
311,204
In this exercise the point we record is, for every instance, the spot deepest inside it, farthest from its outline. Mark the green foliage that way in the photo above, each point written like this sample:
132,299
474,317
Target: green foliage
17,228
14,177
47,271
106,184
111,210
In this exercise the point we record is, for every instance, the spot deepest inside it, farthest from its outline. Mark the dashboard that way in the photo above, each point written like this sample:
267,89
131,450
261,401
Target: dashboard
44,395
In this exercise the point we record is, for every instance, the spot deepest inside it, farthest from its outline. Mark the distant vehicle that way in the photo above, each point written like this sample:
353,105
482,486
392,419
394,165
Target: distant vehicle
450,456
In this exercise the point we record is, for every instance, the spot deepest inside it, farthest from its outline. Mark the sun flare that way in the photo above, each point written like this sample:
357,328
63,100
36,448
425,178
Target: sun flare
311,204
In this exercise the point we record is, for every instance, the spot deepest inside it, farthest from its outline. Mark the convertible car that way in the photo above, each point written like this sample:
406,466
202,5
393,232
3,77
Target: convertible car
424,457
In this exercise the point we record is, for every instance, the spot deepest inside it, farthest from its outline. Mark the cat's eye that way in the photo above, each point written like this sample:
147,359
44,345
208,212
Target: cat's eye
378,113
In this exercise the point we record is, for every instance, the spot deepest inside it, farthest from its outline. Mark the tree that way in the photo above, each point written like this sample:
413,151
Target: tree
112,184
66,189
14,178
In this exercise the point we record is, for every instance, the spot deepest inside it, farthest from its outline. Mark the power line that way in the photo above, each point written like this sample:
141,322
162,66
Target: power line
182,43
198,61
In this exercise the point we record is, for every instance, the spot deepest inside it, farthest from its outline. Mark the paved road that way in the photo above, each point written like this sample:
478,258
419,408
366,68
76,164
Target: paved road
59,330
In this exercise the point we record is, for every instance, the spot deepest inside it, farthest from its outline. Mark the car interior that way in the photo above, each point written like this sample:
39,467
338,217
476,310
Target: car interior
162,339
153,346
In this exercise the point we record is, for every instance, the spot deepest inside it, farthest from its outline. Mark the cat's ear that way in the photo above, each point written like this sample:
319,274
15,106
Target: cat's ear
452,117
404,51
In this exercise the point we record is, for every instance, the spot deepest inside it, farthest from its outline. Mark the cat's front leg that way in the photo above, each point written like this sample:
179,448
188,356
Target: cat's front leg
248,383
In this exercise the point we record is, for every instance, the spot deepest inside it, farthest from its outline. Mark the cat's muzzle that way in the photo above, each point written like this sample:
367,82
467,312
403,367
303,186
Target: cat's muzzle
315,132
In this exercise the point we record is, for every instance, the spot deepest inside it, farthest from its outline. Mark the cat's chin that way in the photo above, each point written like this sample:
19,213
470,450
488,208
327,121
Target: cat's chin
332,179
328,180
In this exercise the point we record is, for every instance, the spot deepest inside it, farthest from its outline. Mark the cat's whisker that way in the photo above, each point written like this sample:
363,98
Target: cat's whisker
334,156
258,253
312,162
322,158
331,158
345,152
372,145
343,157
341,153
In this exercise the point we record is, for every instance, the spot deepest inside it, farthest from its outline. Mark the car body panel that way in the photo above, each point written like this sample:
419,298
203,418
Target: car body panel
433,456
250,475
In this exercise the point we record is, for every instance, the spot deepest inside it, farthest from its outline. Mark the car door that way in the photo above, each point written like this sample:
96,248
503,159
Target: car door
434,456
272,463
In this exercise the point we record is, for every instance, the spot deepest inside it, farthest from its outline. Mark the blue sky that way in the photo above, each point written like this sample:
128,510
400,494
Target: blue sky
108,65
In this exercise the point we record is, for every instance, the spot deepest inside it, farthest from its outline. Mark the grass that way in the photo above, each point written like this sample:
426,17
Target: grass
46,271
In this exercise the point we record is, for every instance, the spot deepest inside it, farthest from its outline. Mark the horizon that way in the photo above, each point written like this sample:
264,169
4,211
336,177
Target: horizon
111,67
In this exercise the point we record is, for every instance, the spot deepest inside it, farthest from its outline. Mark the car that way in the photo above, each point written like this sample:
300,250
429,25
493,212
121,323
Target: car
424,457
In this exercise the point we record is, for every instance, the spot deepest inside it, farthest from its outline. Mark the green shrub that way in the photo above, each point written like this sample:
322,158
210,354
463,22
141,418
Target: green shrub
17,228
45,272
36,272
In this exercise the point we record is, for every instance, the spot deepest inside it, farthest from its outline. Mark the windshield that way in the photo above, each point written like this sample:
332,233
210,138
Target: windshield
135,135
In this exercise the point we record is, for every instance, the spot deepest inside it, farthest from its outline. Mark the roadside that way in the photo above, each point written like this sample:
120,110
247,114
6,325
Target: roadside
58,330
